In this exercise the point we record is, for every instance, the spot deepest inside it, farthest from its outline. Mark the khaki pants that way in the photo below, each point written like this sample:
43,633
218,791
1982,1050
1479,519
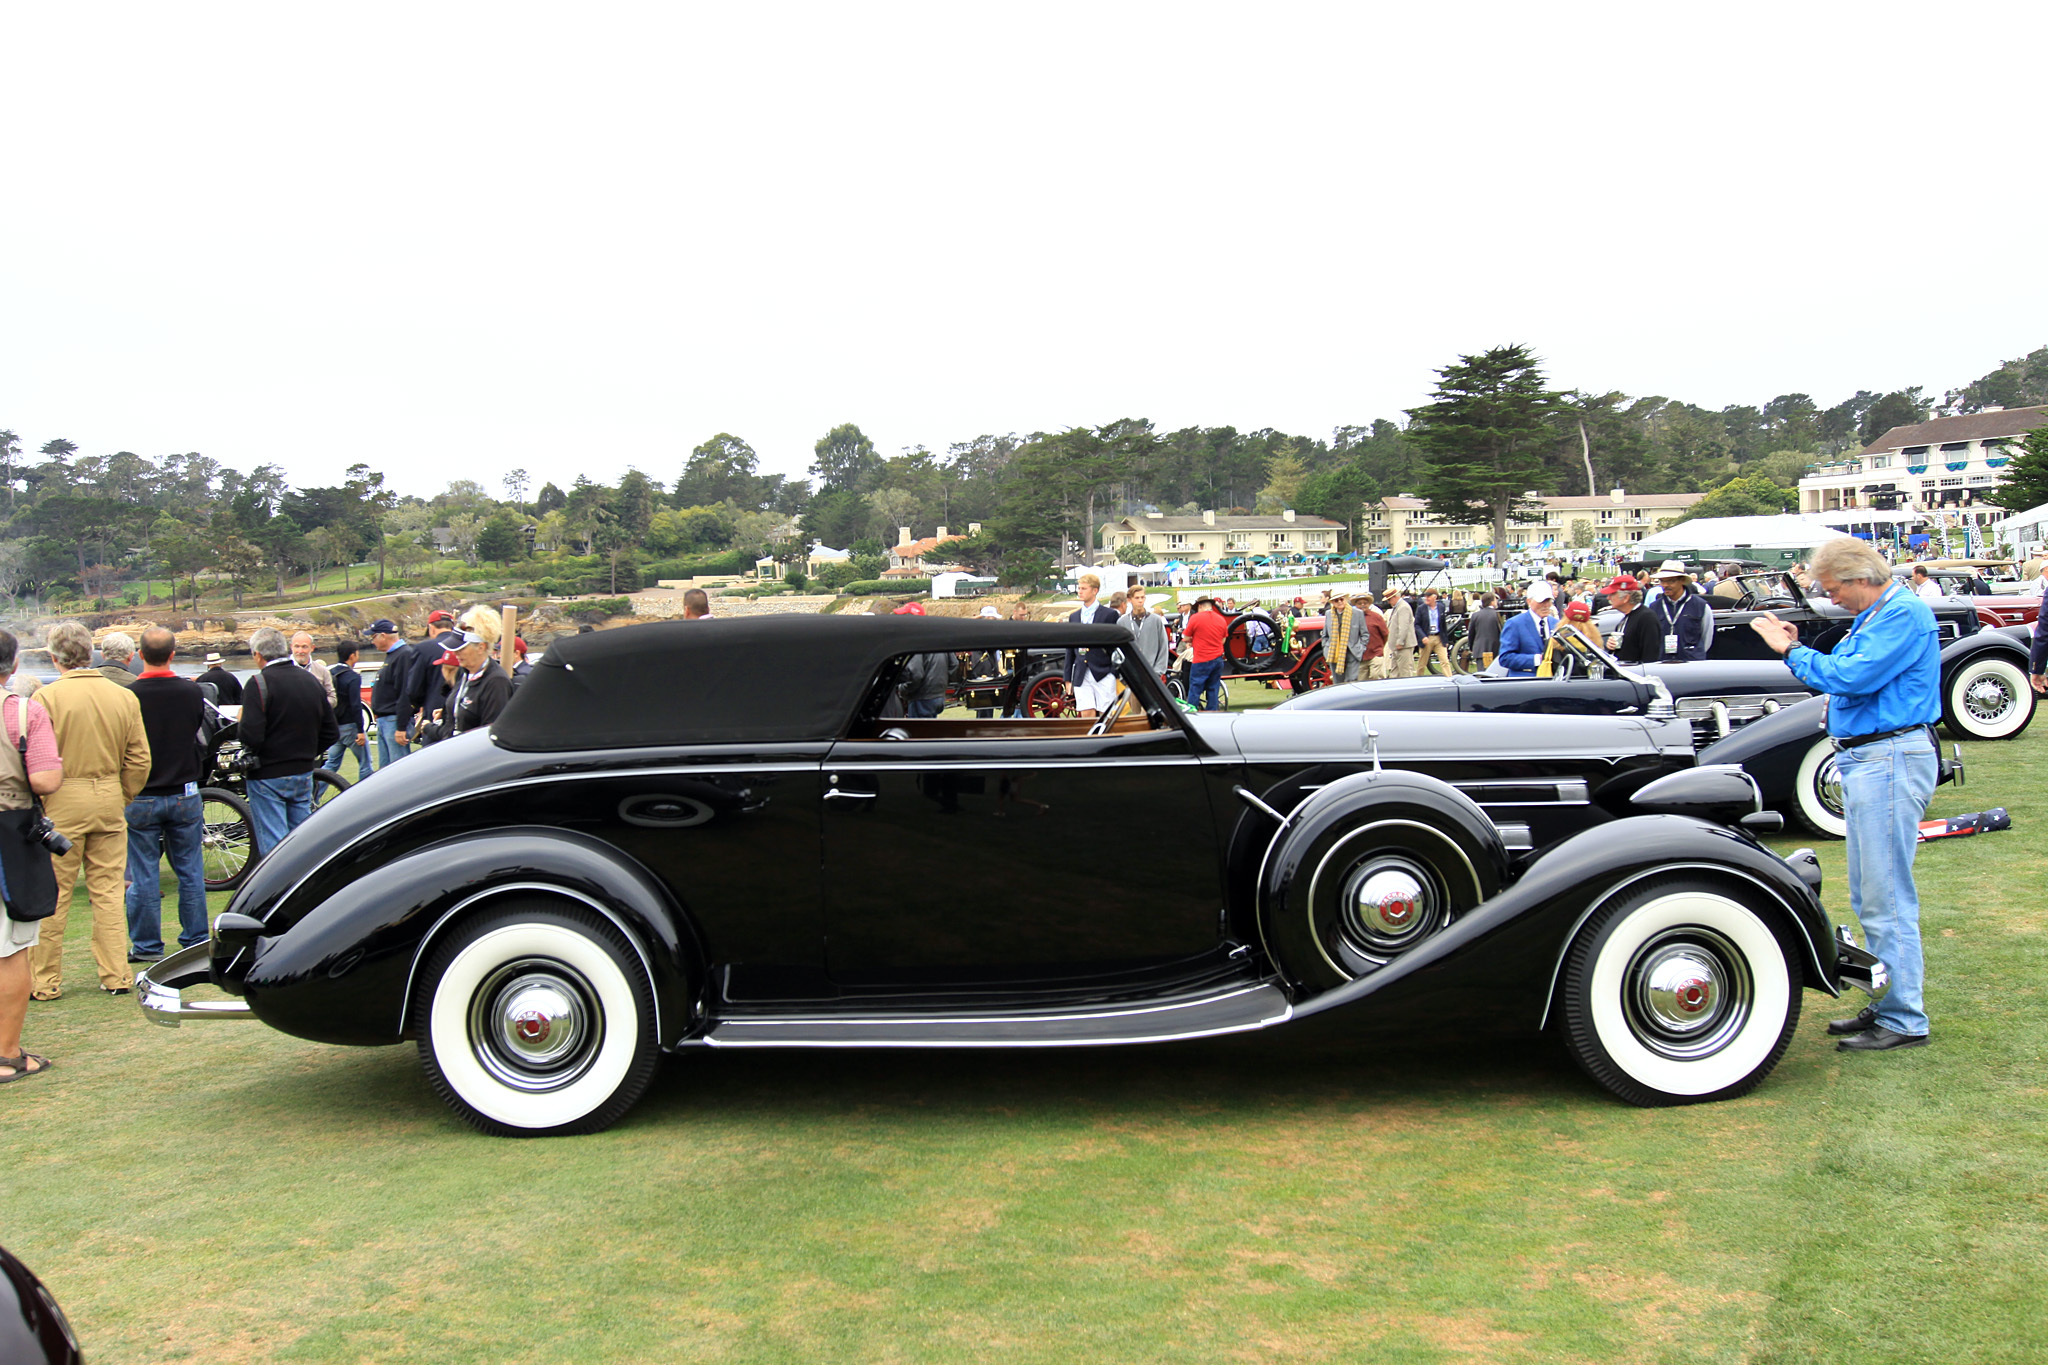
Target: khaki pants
1376,668
1433,647
99,846
1486,659
1400,663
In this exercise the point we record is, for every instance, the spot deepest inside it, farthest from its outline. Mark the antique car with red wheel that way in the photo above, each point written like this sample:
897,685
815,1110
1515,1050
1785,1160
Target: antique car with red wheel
663,847
1264,646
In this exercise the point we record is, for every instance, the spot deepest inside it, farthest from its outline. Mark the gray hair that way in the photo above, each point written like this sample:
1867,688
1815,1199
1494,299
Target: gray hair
268,644
1850,561
117,646
70,645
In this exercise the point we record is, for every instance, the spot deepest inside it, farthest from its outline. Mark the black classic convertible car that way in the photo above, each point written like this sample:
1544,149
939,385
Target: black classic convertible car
663,845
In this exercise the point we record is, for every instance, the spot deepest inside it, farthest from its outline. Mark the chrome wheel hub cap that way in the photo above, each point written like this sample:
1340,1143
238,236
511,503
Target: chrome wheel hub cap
1829,784
1987,699
1687,993
1387,904
535,1026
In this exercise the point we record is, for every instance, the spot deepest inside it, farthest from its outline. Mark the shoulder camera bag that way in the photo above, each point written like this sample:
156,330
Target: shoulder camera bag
24,862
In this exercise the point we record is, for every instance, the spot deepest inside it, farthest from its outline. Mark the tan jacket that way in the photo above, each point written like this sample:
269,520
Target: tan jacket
104,747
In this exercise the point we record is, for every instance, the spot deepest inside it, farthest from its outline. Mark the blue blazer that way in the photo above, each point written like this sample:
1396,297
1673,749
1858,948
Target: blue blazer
1083,664
1521,644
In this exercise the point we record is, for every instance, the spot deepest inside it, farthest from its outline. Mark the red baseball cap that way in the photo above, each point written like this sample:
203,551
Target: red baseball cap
434,616
1578,611
1622,584
448,656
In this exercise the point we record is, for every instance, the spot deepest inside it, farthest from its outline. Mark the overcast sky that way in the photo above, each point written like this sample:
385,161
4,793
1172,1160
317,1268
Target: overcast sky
450,240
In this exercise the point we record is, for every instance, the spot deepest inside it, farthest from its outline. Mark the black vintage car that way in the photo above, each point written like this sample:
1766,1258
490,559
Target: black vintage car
1984,691
1754,714
33,1329
683,836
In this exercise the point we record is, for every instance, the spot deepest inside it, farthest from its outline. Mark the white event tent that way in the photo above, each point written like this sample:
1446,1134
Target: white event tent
1788,531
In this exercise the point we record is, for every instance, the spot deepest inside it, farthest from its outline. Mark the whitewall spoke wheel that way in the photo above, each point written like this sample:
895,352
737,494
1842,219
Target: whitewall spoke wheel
1677,992
1987,698
537,1019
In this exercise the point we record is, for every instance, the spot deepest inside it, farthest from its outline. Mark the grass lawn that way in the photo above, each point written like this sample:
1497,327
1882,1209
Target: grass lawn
224,1193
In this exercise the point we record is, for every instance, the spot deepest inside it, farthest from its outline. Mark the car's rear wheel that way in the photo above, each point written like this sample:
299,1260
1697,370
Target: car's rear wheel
1817,792
1677,992
537,1019
1987,698
227,844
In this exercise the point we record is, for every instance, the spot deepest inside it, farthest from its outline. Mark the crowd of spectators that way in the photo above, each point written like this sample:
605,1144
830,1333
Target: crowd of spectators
117,752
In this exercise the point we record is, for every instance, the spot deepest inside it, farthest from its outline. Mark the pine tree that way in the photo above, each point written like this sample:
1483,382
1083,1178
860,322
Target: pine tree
1485,436
2025,484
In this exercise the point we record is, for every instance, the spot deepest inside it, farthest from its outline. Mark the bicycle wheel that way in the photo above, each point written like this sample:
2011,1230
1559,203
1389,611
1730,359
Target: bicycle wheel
227,849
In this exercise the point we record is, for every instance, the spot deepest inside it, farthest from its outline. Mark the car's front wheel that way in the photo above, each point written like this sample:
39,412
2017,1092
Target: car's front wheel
1987,698
537,1019
1817,792
1677,992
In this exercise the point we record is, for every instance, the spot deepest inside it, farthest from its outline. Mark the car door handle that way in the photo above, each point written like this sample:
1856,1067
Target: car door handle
851,796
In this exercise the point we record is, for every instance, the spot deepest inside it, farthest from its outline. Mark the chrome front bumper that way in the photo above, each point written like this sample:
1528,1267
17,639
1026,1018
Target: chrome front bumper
1858,966
158,990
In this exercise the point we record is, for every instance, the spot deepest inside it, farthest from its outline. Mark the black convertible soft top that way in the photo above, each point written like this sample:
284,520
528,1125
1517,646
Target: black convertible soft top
763,679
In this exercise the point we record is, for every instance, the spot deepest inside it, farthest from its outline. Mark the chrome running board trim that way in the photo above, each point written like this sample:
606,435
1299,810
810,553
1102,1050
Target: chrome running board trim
1238,1010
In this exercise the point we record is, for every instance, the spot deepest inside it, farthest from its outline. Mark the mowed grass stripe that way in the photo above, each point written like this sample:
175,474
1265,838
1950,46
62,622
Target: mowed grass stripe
225,1193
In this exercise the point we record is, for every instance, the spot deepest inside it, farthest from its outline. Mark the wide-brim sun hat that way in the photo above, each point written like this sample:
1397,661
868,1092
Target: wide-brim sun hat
213,658
1673,568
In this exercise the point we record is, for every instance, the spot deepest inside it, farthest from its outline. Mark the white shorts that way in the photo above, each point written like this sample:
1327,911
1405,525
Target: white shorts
1096,694
16,935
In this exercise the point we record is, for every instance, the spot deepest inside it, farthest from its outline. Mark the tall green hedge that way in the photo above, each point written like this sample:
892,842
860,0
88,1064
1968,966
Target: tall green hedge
872,587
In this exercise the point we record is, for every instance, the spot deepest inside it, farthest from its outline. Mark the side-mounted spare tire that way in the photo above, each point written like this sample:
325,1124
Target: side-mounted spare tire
1369,867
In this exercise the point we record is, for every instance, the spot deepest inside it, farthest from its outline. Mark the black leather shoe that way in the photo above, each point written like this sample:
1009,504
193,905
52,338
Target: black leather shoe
145,957
1878,1038
1866,1018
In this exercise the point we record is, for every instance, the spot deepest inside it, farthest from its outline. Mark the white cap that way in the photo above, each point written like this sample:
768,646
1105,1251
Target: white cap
1539,592
990,611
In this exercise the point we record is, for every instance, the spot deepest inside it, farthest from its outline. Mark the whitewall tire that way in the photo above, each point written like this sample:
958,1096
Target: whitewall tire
1987,698
1817,792
1676,992
537,1019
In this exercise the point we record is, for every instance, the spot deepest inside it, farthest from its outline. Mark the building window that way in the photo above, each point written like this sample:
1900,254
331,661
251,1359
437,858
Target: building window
1281,542
1880,462
1951,483
1318,540
1983,478
1176,541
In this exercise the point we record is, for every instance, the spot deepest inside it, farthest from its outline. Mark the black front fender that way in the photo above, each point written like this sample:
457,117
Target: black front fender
344,971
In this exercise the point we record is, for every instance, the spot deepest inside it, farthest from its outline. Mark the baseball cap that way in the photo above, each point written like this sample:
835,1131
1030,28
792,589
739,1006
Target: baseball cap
519,645
383,625
990,612
1540,592
1622,584
434,616
470,637
1578,611
448,656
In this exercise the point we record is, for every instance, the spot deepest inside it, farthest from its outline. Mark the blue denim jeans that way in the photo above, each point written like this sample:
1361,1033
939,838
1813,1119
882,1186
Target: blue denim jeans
1205,684
389,750
159,825
279,806
1885,789
346,745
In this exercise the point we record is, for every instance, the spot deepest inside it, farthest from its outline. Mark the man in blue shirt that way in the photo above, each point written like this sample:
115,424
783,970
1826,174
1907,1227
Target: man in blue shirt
1883,683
